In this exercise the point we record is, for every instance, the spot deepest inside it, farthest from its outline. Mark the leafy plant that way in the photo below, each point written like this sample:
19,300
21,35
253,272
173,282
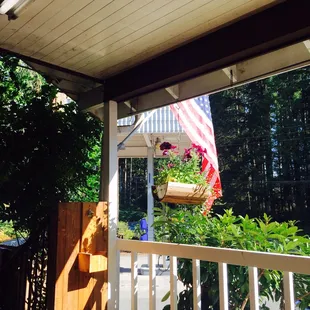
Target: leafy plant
7,229
184,168
124,231
44,145
236,232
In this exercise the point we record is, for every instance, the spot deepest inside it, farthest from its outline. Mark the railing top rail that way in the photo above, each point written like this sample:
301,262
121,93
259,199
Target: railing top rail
274,261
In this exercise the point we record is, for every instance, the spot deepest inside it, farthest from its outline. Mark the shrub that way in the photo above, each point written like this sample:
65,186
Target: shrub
189,226
124,231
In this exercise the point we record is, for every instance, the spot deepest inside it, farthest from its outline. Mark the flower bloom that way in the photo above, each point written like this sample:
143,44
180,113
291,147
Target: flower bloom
167,146
187,154
199,149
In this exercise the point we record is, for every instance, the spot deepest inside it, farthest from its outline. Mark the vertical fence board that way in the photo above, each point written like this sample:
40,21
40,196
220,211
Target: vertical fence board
52,257
71,249
100,238
81,227
60,256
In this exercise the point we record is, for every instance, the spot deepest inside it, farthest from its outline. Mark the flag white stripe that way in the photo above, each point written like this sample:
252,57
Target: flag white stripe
192,115
199,139
202,114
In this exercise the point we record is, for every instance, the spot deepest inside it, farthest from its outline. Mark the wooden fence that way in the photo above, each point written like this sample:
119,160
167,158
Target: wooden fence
62,266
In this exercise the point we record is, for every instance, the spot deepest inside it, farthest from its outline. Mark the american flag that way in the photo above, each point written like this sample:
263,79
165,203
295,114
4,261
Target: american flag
194,115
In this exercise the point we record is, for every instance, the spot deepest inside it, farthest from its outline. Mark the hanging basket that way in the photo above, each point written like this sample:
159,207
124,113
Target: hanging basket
181,193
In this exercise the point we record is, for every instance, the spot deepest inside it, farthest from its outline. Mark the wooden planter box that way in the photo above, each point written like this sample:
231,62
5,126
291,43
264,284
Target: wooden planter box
181,193
93,262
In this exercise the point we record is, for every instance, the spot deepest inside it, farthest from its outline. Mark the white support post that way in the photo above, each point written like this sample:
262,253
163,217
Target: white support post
173,283
109,193
134,281
253,286
152,281
150,199
196,284
288,284
223,281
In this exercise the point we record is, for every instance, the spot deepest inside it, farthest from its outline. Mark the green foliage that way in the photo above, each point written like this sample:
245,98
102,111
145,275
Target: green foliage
189,226
6,231
7,228
263,144
124,231
132,189
184,168
45,146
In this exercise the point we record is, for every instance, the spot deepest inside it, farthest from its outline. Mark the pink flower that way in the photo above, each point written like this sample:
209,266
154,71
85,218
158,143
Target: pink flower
170,165
199,149
187,154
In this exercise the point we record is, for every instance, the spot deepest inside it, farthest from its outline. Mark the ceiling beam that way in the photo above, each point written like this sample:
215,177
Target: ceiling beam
286,59
147,140
231,73
276,27
173,91
307,45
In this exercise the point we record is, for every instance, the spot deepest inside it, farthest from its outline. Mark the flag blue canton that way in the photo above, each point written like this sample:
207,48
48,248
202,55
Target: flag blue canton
204,103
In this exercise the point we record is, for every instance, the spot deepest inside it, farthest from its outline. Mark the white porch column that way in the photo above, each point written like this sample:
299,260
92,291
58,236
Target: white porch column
109,193
150,199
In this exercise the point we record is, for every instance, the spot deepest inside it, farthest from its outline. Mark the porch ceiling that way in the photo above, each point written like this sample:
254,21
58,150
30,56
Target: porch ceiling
150,53
103,37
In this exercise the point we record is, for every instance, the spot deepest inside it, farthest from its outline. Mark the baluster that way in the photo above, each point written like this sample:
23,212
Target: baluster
196,284
152,281
223,281
253,286
173,282
288,284
134,281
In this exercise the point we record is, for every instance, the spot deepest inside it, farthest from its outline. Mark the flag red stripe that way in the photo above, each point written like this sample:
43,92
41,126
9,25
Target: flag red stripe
195,134
199,129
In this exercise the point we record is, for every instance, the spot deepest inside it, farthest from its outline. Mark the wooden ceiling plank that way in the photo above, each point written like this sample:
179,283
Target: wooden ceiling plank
62,34
49,12
118,30
88,55
151,29
117,20
28,44
119,52
157,45
3,22
14,25
76,26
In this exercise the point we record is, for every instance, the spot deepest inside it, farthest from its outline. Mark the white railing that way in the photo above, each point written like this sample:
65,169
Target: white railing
289,264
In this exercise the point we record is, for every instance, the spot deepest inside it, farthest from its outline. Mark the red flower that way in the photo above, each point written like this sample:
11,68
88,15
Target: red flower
167,146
